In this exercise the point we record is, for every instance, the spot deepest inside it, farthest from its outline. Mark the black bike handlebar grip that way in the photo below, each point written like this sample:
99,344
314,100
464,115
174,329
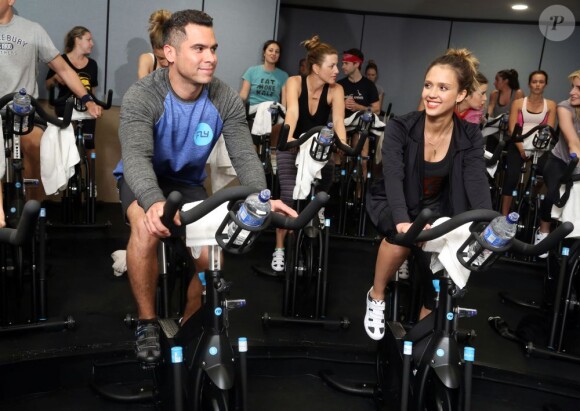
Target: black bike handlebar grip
211,203
303,138
407,239
53,119
517,133
283,137
104,104
24,231
6,99
471,216
548,243
172,204
290,223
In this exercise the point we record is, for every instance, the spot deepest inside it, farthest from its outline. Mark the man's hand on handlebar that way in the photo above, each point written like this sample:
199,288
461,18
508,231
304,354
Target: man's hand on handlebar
404,227
153,222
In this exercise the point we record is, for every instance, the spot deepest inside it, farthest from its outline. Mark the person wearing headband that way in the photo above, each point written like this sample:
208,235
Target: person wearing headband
359,91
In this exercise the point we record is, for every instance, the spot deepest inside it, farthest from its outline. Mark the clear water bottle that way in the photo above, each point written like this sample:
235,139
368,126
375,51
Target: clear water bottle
253,212
367,116
21,105
324,140
498,233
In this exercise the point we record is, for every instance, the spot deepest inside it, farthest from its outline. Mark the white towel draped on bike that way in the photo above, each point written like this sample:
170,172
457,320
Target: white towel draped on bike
202,232
571,210
377,127
58,156
263,119
491,169
445,249
308,170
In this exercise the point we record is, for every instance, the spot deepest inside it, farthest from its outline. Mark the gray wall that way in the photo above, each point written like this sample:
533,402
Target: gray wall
403,48
241,27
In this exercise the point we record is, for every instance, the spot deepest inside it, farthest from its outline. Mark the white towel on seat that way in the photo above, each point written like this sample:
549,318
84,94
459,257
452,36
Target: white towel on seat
445,249
571,210
491,169
119,262
308,170
58,156
263,119
202,232
81,115
221,170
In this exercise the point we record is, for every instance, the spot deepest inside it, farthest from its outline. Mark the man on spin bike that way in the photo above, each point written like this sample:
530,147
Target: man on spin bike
170,120
24,44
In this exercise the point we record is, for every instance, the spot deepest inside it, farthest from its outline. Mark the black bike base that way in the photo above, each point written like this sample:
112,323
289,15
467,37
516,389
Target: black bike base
268,320
67,323
267,271
505,297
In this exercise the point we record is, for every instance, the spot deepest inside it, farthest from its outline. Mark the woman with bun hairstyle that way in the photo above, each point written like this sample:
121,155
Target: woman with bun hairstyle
311,100
433,160
507,89
148,62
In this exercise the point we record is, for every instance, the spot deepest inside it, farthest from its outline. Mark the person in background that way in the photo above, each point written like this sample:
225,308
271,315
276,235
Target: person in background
359,91
433,160
472,107
169,123
507,90
78,44
265,82
568,113
372,73
302,67
31,45
526,112
312,100
149,62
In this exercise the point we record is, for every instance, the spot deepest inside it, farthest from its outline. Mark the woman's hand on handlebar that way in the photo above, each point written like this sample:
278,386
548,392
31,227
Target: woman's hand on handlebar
94,109
279,207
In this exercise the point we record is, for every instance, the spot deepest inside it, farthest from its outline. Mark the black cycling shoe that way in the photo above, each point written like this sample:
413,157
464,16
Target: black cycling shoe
147,346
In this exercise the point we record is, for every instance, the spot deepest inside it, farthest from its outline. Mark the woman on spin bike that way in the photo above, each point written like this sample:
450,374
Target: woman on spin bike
526,112
569,123
310,101
433,160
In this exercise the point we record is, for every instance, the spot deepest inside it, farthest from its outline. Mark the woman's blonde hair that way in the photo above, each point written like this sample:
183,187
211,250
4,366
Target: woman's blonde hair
571,77
156,22
316,51
465,65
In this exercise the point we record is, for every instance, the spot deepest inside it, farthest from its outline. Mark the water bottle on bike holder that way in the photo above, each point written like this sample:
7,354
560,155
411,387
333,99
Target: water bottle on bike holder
474,263
24,123
542,139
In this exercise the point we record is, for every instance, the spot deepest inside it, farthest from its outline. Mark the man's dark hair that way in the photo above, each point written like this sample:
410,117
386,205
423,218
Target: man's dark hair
174,28
355,52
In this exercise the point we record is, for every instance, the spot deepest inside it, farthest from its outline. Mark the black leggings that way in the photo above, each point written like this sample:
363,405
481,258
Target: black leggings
554,169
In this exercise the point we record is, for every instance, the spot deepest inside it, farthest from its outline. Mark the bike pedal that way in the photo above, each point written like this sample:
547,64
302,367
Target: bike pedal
169,327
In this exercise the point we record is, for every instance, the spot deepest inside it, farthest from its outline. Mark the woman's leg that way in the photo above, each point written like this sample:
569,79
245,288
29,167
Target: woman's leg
512,173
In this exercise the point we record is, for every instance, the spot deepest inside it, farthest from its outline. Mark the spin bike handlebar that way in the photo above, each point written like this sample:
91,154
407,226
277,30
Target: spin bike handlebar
61,123
231,195
518,137
65,99
284,144
501,119
496,154
417,234
24,231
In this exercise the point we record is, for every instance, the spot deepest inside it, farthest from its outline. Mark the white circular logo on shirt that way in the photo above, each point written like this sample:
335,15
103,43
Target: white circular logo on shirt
203,134
557,22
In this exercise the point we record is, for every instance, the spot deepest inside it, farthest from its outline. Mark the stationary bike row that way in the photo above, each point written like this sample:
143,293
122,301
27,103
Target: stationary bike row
201,374
79,199
306,250
421,368
496,127
560,303
18,262
353,183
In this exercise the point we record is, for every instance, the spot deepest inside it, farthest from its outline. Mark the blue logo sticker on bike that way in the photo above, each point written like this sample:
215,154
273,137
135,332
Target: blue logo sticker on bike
17,185
218,311
213,350
203,134
440,352
450,316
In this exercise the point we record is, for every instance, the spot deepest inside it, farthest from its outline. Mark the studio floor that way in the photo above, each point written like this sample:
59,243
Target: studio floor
54,369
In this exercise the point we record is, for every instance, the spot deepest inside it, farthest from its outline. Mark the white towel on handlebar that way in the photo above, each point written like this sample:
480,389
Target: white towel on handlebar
444,251
308,170
58,156
571,210
202,232
263,119
377,128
